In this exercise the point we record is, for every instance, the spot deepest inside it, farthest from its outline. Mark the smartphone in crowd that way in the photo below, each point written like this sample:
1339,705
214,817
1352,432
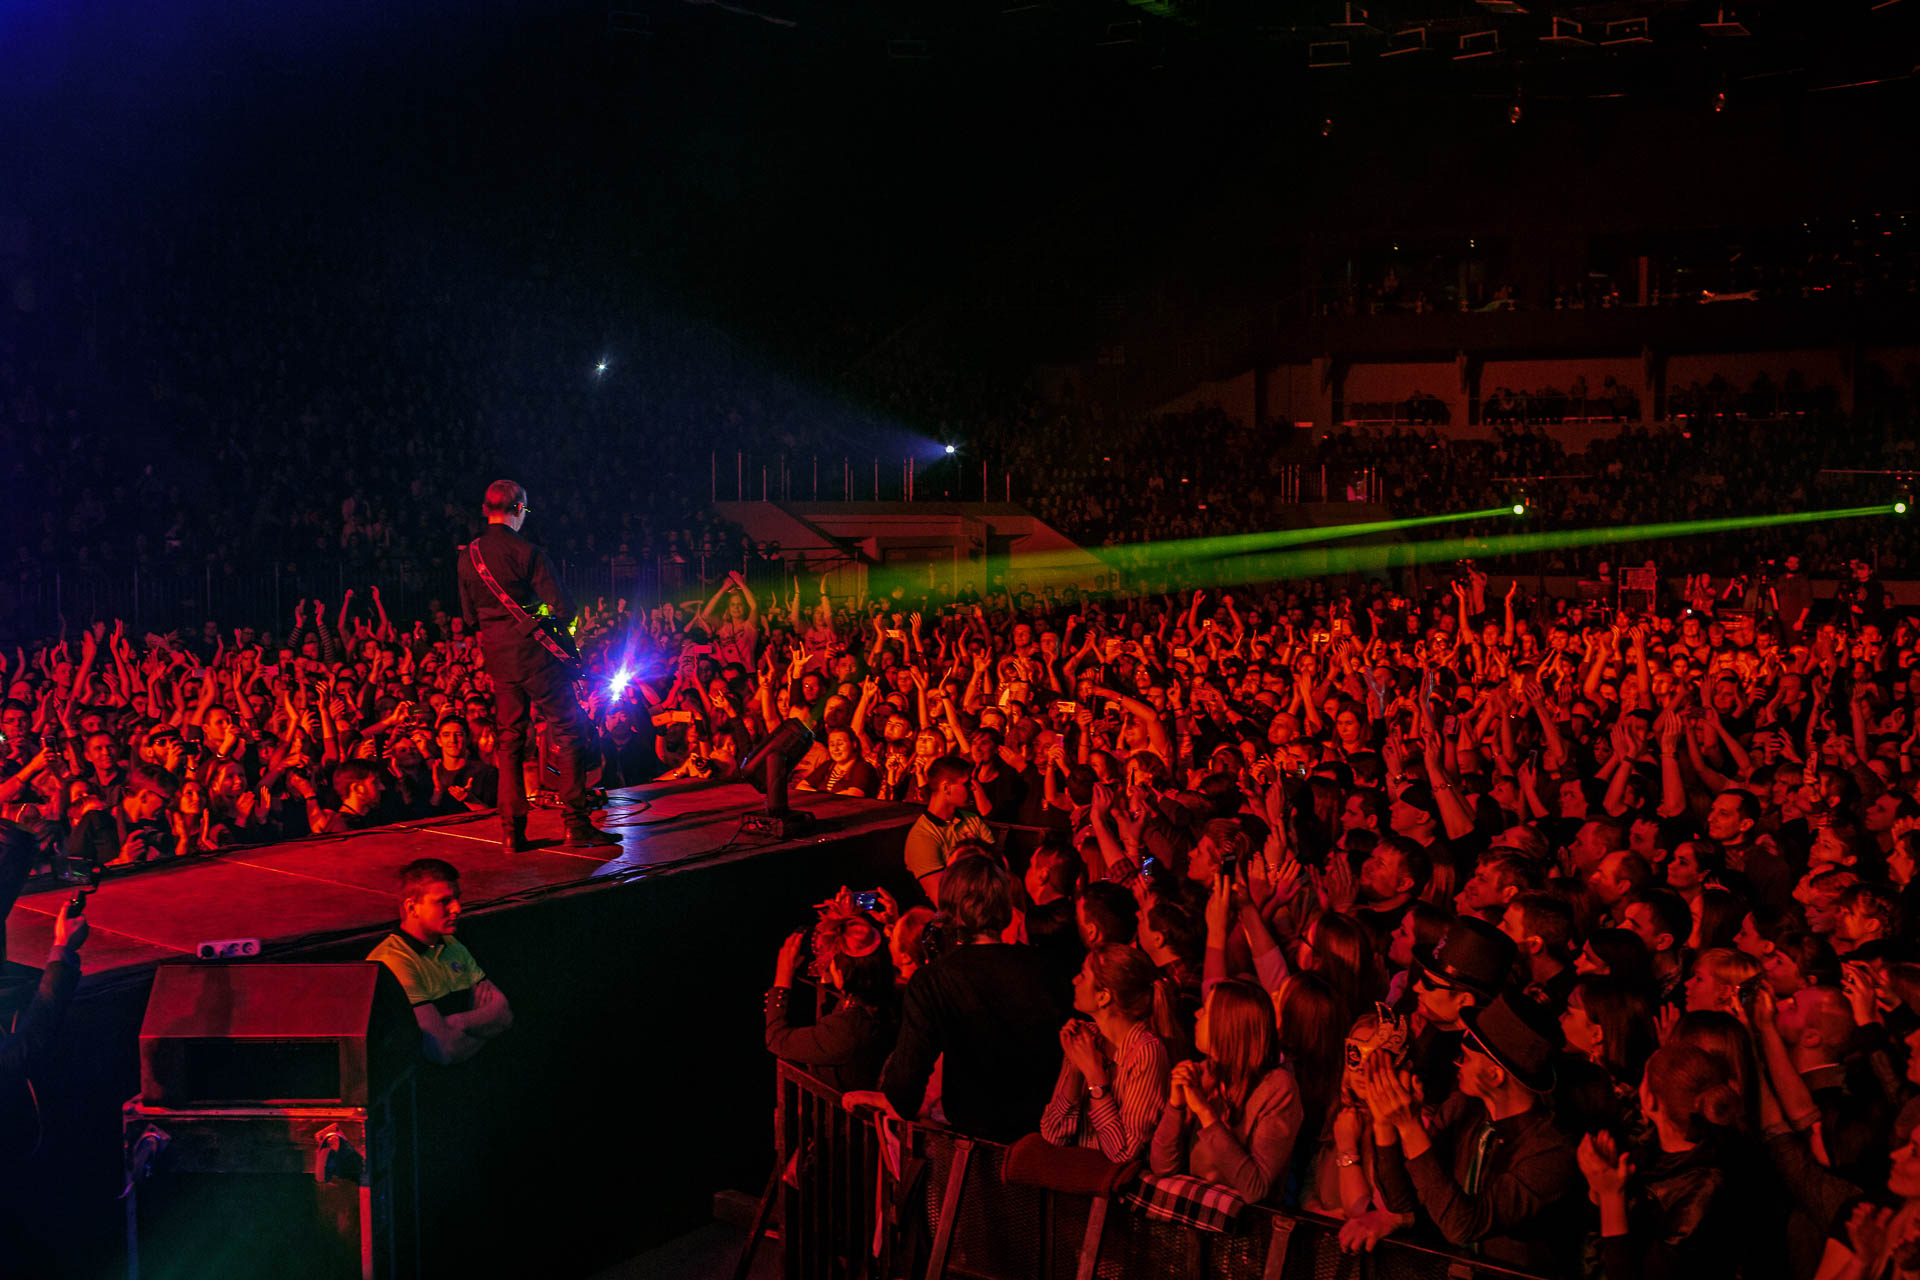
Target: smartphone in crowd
869,901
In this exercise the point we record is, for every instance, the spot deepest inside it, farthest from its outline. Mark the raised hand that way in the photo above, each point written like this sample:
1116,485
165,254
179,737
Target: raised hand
1288,879
1219,908
1338,884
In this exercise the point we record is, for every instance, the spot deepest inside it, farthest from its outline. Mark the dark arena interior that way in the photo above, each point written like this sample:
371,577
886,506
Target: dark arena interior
976,638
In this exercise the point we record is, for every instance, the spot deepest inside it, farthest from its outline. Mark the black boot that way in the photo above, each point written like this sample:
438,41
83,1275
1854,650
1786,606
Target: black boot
513,835
582,834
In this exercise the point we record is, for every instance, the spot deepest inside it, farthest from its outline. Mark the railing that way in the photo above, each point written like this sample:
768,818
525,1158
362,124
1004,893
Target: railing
949,1211
927,474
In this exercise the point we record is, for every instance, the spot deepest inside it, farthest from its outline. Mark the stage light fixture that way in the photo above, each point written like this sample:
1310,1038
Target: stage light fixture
951,449
1519,508
1900,508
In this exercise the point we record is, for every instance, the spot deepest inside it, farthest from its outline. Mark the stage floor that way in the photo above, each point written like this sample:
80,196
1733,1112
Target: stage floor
295,894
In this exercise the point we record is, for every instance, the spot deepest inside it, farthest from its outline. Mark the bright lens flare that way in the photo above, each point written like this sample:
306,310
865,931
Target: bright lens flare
1519,508
621,679
1899,508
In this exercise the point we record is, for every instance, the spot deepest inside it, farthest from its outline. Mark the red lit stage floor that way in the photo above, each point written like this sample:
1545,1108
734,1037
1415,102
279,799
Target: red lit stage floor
335,886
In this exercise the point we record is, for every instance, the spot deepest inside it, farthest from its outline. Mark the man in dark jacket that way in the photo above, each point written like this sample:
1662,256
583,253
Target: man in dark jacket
1495,1173
525,673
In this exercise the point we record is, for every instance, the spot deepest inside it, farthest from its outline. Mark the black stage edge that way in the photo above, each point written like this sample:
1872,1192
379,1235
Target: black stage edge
633,1085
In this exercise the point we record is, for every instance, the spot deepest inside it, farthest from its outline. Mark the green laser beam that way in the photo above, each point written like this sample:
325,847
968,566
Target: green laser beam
1328,561
1235,544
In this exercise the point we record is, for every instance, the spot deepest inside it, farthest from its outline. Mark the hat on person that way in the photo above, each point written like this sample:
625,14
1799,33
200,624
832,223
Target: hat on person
1473,955
1419,795
1519,1034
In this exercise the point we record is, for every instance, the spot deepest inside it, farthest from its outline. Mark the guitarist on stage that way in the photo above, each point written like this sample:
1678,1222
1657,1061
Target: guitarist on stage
530,664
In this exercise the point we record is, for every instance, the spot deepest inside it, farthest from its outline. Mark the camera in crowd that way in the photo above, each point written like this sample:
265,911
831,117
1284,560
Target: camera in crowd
82,874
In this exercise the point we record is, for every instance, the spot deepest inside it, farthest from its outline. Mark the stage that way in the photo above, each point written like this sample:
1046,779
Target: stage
634,1083
329,887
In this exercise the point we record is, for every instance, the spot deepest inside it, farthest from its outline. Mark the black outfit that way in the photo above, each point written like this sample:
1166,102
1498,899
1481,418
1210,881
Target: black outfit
481,779
1687,1221
99,835
989,1008
845,1046
1505,1187
634,761
524,674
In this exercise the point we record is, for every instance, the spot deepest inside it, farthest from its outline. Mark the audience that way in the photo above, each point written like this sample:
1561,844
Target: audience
1626,943
1513,841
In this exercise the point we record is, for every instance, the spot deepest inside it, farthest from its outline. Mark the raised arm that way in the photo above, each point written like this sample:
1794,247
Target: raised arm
1446,789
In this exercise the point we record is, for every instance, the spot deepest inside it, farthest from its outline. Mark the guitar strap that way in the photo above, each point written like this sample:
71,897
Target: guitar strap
514,607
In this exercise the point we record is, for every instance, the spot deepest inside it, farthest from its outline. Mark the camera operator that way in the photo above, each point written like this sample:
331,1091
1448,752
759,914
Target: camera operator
131,831
1860,598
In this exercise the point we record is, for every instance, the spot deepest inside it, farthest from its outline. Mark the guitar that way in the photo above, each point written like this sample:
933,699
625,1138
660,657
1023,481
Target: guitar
554,633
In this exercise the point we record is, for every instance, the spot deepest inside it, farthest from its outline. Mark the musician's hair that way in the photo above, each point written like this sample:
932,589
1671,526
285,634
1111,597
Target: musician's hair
502,497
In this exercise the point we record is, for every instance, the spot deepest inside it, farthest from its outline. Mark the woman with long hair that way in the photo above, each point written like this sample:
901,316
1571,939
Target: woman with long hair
1618,953
1609,1033
1717,916
1306,1016
1232,1118
1339,949
1113,1072
1610,1024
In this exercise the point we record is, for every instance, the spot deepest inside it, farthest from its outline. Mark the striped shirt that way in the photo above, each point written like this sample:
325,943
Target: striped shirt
1121,1124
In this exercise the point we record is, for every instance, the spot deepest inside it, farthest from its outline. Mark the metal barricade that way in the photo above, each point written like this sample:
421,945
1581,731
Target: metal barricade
939,1206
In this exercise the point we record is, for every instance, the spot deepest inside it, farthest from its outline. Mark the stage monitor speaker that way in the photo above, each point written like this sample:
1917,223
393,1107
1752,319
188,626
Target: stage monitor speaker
266,1034
276,1131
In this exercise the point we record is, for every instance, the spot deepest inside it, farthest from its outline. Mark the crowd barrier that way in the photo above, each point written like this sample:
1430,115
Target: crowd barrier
939,1205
